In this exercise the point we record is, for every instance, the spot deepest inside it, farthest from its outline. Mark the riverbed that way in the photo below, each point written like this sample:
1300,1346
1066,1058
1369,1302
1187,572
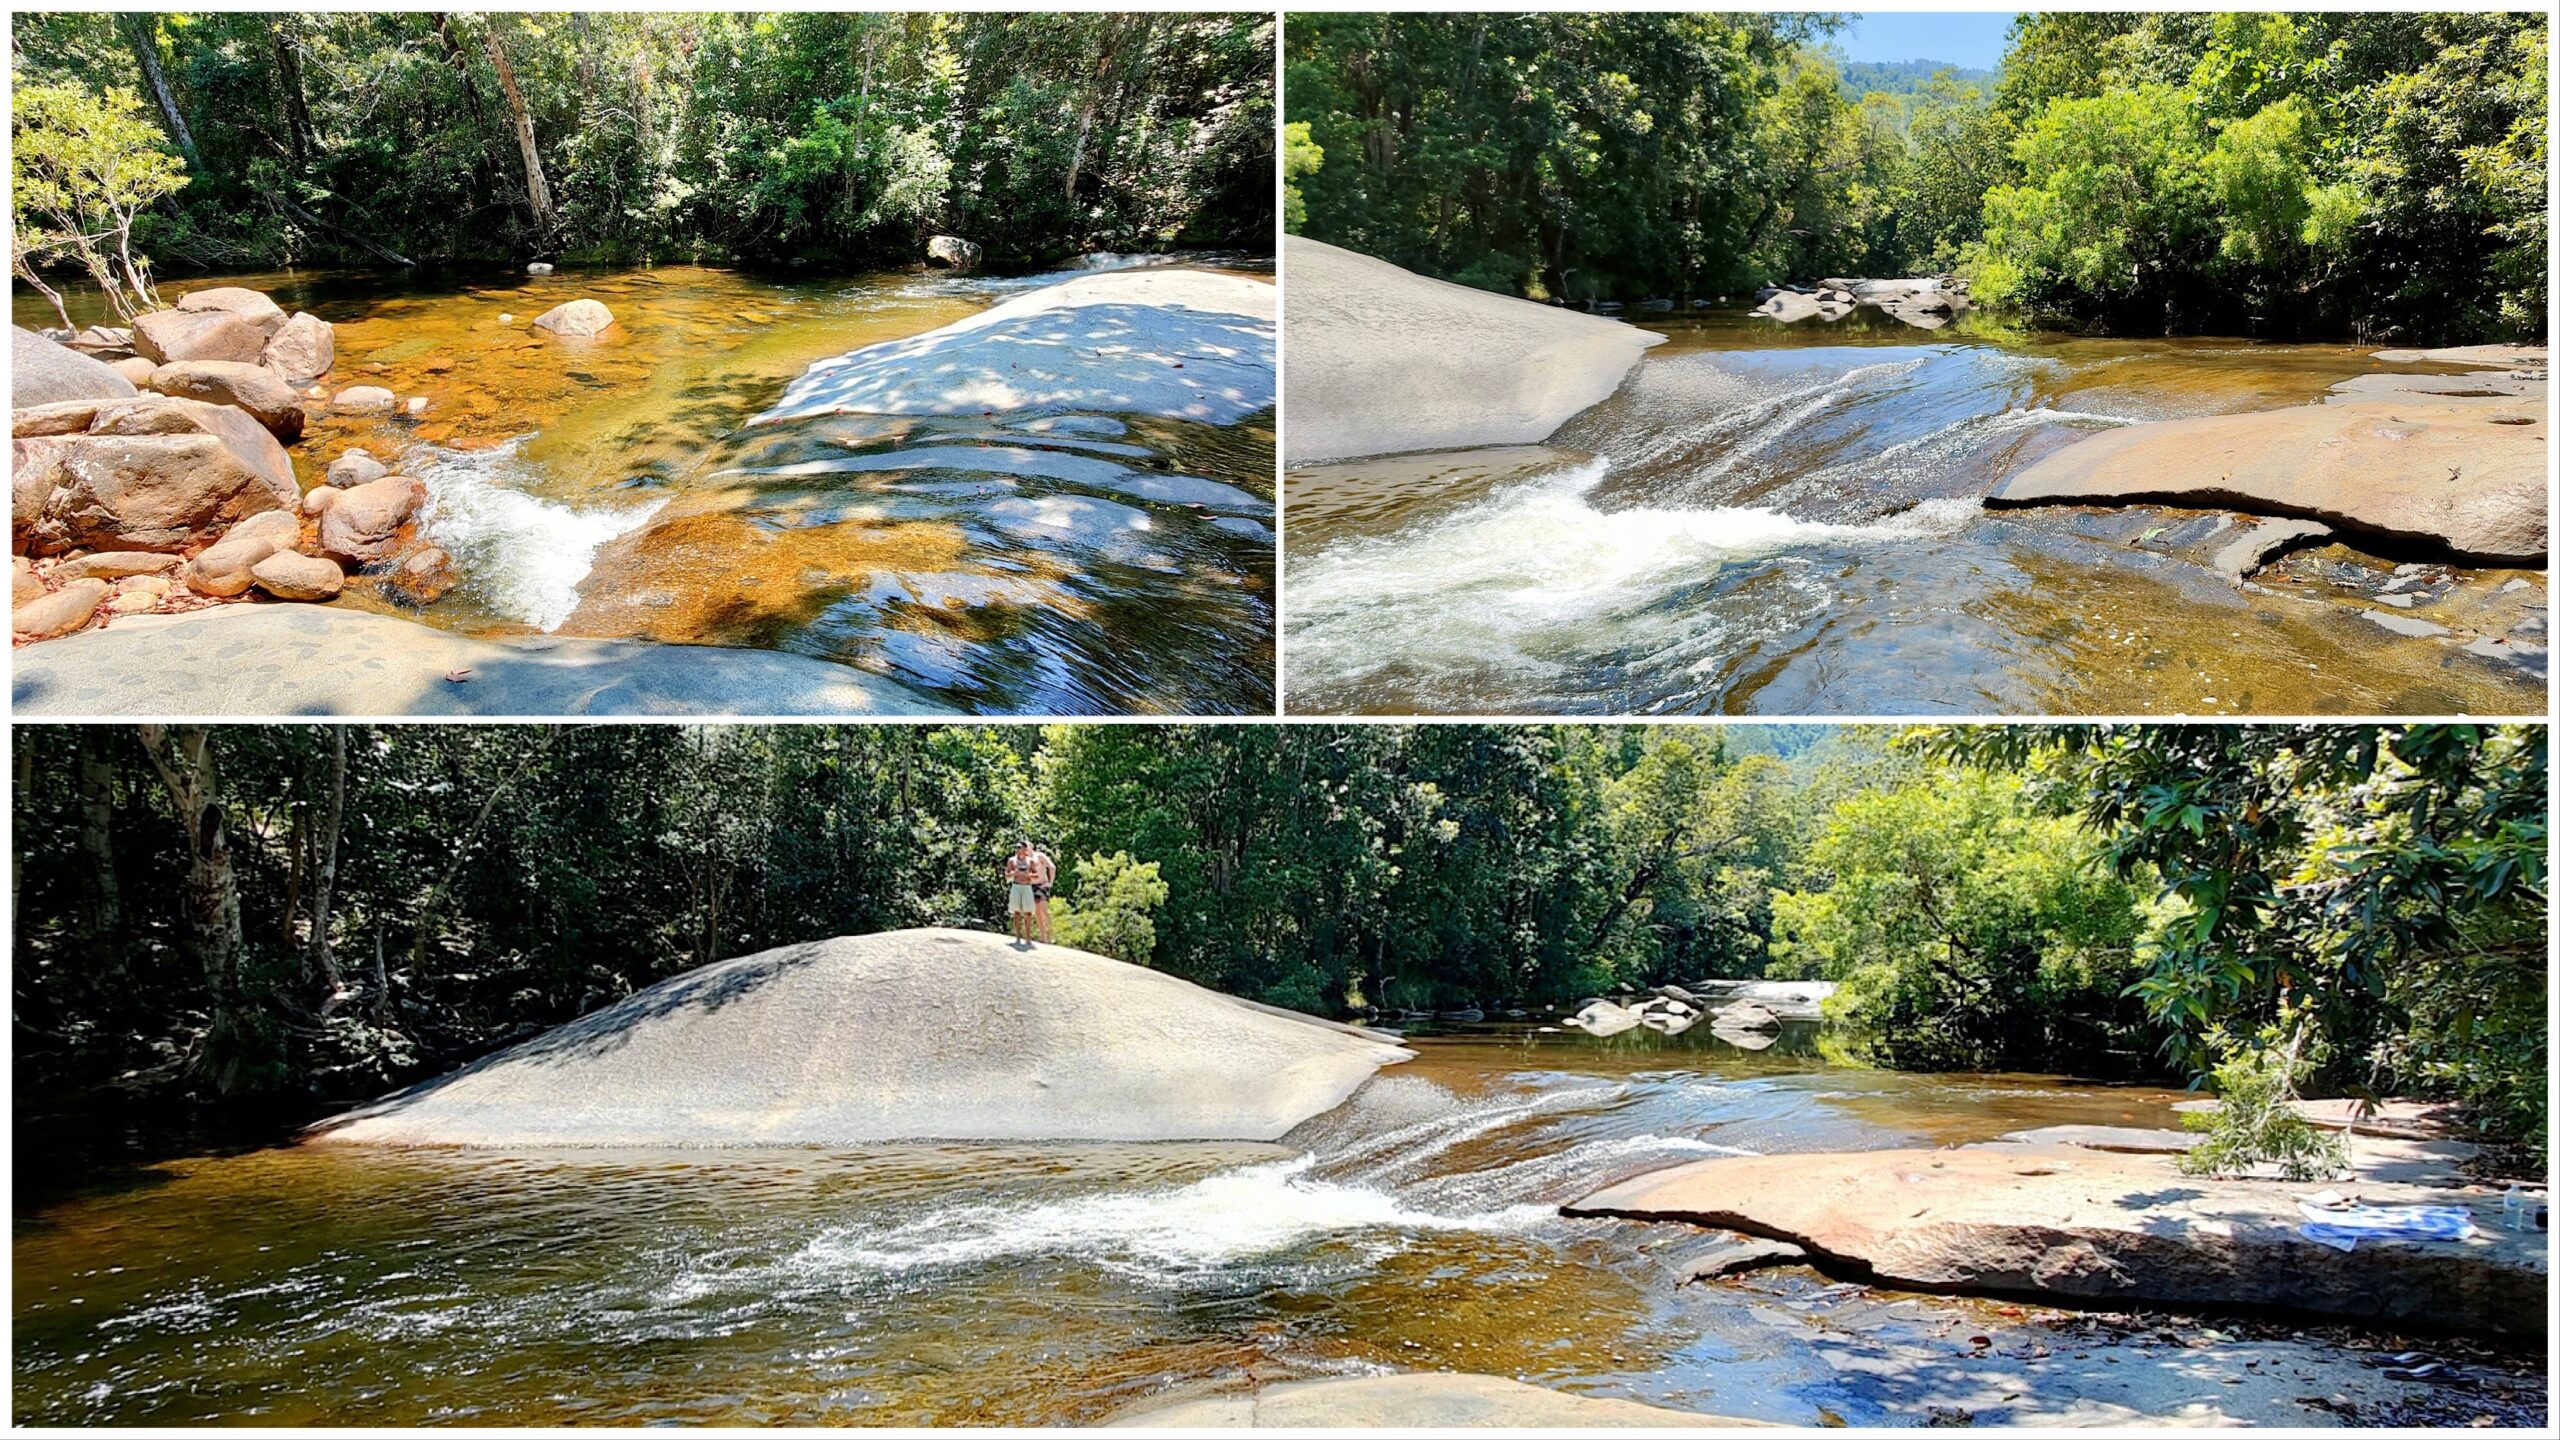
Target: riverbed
1413,1229
1023,562
1771,519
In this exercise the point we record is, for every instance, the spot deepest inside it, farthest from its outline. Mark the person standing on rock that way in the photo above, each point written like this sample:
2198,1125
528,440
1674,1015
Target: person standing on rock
1041,888
1021,877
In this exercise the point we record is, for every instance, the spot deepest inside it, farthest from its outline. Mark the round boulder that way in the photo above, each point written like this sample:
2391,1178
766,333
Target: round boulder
291,575
319,498
167,336
950,252
224,567
303,349
364,526
576,318
42,373
250,307
60,612
356,467
364,400
135,370
908,1035
253,388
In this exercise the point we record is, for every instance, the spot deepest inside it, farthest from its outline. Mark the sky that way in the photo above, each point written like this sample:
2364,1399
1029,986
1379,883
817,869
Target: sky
1973,38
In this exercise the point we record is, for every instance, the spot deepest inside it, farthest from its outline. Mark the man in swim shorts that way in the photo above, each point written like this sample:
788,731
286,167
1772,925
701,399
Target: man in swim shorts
1040,890
1021,878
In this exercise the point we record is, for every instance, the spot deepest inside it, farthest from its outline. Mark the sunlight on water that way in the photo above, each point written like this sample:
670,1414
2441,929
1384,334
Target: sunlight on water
525,556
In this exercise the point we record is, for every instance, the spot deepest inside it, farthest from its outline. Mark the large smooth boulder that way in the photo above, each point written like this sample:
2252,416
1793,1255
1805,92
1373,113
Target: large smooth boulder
909,1035
253,388
2090,1226
60,612
1184,344
292,575
950,252
364,526
576,318
150,473
1419,1401
42,373
257,661
2462,477
252,308
303,350
1383,360
225,567
164,337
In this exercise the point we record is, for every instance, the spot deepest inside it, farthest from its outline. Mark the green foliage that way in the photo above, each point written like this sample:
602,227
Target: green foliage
84,166
1300,157
2253,1122
1965,931
800,138
1110,909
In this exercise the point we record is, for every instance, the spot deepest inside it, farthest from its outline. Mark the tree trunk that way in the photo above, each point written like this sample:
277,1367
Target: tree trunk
324,876
210,897
146,53
297,111
101,899
537,192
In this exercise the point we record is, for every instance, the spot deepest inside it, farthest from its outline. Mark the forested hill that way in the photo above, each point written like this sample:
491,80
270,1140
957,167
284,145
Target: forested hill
2374,175
1905,77
823,139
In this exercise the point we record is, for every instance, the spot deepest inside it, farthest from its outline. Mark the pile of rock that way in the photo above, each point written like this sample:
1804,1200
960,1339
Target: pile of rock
1925,302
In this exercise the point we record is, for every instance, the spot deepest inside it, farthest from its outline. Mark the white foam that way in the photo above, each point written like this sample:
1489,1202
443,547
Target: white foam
523,556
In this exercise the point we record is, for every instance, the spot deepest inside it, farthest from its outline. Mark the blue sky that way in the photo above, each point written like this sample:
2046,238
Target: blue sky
1973,37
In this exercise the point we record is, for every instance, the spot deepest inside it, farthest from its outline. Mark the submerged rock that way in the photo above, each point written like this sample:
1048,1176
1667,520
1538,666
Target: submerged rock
1182,344
1386,361
2077,1224
909,1035
2465,477
1422,1401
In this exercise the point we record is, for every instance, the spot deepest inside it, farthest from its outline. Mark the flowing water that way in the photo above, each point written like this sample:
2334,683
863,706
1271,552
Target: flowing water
1415,1228
1787,520
1035,562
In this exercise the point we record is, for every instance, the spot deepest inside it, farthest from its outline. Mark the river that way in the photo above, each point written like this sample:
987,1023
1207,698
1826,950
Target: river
1771,519
1415,1228
1049,563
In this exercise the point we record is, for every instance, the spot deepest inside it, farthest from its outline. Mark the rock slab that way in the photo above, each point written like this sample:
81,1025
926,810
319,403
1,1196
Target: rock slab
1183,344
930,1034
42,372
1384,361
2460,476
2067,1224
1421,1401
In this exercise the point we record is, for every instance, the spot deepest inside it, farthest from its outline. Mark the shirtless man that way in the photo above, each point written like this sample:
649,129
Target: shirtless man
1021,877
1040,889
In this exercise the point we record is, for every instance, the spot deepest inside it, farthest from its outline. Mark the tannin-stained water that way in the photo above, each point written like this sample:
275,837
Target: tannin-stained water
1415,1228
1787,520
1035,562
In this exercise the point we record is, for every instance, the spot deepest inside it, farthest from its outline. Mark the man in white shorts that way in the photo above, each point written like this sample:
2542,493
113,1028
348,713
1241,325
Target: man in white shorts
1021,904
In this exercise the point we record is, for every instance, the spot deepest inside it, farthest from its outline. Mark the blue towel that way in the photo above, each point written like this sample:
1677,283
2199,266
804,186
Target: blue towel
2341,1229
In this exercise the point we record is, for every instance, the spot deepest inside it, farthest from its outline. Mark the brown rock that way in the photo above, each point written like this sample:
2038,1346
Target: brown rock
250,307
422,577
134,369
319,498
151,473
303,349
2457,475
2096,1226
576,318
364,526
167,336
23,583
289,575
224,567
116,565
63,417
355,467
107,342
253,388
59,613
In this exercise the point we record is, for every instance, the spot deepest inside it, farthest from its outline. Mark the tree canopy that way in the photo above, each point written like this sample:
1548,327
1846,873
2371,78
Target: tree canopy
807,138
2375,173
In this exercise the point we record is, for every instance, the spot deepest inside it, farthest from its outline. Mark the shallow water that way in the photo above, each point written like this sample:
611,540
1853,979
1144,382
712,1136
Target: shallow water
1786,520
1413,1229
1019,562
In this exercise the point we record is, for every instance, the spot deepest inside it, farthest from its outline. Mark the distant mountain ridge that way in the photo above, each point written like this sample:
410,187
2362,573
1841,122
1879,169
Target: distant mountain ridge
1904,77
